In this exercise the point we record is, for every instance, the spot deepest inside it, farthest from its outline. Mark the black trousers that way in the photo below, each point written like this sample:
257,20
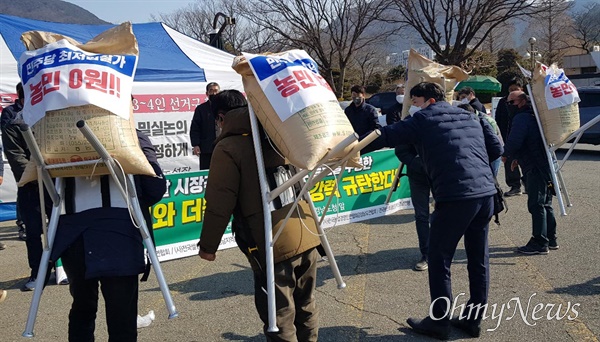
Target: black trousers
28,201
449,222
205,160
419,195
512,178
120,296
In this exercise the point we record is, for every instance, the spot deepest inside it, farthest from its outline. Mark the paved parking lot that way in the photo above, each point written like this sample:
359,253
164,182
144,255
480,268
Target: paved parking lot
375,258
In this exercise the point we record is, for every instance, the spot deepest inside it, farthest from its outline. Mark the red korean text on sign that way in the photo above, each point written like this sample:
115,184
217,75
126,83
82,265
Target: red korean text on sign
96,80
49,82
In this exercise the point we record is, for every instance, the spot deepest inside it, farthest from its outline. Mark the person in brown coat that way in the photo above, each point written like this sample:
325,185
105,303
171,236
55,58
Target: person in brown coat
233,189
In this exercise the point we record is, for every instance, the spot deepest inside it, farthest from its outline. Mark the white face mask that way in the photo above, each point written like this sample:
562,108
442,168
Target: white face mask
413,109
400,98
464,101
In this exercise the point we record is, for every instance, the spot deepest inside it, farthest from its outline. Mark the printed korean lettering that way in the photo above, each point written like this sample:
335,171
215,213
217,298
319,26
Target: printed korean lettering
364,183
287,86
556,91
350,186
157,104
164,213
49,82
191,185
144,127
303,76
193,210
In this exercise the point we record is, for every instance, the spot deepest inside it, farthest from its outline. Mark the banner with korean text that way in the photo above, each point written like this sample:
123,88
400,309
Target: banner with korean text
361,195
86,78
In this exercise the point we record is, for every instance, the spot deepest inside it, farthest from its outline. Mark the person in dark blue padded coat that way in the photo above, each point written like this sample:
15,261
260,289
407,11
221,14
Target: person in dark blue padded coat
456,148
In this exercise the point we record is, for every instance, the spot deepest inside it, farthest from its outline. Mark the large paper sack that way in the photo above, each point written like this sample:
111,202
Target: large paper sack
295,105
422,69
551,89
88,82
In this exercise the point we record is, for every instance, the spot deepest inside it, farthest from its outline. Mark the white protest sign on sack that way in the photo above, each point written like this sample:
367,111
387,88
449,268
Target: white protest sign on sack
60,75
560,91
290,81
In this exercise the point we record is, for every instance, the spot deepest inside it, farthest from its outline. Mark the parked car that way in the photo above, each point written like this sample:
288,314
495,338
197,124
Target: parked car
589,108
385,101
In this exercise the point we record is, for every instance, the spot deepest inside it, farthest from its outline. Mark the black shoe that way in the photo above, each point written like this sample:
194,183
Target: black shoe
513,192
472,328
429,327
531,250
553,245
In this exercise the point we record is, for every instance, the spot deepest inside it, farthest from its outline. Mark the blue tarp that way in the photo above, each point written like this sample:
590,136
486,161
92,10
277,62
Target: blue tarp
8,211
158,52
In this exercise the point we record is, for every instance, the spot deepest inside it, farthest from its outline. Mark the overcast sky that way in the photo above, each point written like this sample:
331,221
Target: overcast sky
136,11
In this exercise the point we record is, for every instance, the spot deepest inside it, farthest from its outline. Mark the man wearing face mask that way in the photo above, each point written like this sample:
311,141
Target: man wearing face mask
525,142
203,130
467,96
362,116
456,148
395,114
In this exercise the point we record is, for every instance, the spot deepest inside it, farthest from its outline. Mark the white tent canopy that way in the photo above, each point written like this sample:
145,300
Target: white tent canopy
170,81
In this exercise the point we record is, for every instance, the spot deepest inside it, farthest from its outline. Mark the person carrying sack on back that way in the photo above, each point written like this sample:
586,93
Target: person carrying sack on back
234,189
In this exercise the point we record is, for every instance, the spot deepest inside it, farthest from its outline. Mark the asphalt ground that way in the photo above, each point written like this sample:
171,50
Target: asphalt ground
375,257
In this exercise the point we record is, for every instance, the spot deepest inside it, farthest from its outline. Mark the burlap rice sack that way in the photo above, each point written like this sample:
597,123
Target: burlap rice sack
422,69
557,123
306,136
57,135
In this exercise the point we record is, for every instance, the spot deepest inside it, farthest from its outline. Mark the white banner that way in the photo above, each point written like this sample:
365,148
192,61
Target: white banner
60,75
291,81
559,90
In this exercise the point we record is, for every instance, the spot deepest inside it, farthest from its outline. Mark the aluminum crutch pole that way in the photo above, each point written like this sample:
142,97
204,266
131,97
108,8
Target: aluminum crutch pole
164,288
41,275
264,194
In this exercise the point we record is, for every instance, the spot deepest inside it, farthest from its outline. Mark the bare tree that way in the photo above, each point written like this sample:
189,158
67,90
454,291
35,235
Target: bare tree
553,29
455,29
331,31
196,20
586,25
368,62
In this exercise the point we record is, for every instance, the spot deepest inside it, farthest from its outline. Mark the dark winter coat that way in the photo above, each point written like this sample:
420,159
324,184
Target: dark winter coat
233,189
525,142
455,147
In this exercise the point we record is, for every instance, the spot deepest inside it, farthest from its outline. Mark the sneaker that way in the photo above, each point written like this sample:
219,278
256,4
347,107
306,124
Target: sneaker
472,328
513,192
421,265
29,285
2,246
553,245
61,276
429,327
3,295
22,233
531,250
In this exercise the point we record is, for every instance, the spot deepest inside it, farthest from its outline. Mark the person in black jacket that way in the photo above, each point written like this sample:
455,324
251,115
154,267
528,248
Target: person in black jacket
28,198
467,95
98,243
525,143
362,116
512,175
203,130
395,113
455,147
